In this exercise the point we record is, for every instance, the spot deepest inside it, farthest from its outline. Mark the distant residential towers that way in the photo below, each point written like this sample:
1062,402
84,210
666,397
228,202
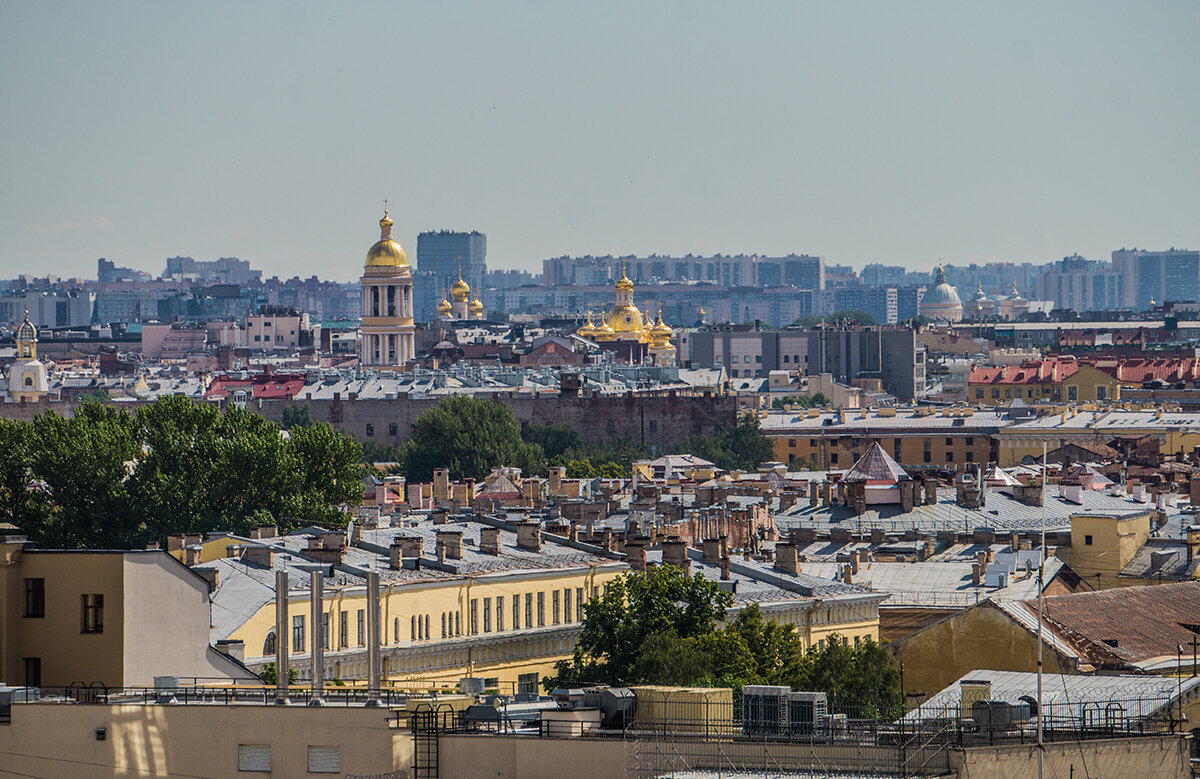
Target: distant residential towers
443,257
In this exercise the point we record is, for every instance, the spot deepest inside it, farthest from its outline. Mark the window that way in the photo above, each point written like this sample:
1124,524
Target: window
970,457
1072,392
1101,392
949,442
370,430
1008,392
92,616
970,441
995,392
541,600
949,457
833,458
33,672
343,630
35,597
554,608
487,615
499,612
324,760
516,612
325,632
412,628
567,605
527,682
792,443
1087,540
298,633
458,623
928,456
362,627
474,623
270,646
979,394
528,609
391,428
396,630
254,758
443,624
579,601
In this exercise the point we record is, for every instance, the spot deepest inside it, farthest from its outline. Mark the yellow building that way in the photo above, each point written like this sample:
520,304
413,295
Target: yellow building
1102,545
1054,380
1176,431
114,618
27,382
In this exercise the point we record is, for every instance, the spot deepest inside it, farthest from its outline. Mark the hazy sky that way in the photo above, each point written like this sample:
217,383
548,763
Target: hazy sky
895,132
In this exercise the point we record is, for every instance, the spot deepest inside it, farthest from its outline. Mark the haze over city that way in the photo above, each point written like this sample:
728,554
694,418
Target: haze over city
863,132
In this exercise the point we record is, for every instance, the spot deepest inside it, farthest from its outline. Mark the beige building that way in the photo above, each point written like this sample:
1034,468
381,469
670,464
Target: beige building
114,618
387,303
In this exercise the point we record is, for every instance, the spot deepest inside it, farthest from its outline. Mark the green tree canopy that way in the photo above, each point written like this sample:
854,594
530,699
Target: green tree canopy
852,316
742,446
469,436
105,478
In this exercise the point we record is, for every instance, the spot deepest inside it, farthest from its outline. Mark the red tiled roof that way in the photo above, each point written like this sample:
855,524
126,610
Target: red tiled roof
1041,372
264,386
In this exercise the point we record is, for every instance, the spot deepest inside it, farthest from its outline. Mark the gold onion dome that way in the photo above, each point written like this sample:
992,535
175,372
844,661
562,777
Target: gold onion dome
460,290
444,307
587,330
386,253
604,330
476,307
624,284
661,331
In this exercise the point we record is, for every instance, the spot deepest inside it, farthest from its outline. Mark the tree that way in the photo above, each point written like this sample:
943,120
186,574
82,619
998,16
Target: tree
853,316
469,436
638,612
295,415
803,401
269,675
740,447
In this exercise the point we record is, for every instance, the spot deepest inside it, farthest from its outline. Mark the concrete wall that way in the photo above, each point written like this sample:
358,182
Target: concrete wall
519,757
57,740
1164,757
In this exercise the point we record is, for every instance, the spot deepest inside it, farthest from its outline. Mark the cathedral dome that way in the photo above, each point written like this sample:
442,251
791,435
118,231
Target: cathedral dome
386,253
444,307
476,308
941,302
660,330
26,331
587,330
604,331
626,319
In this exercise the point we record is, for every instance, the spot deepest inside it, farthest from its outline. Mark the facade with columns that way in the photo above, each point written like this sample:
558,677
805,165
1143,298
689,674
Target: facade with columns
387,303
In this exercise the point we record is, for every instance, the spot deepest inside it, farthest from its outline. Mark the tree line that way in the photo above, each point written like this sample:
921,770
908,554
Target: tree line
661,626
108,478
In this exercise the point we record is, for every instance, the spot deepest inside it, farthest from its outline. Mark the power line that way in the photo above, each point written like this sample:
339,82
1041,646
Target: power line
98,765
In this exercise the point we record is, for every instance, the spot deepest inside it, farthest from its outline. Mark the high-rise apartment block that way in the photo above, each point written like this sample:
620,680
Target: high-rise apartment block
1154,277
446,254
1081,285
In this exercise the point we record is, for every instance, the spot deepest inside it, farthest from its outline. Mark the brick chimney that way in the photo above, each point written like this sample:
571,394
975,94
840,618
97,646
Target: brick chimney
786,558
712,550
452,540
635,555
192,555
848,574
261,556
931,486
814,493
724,569
674,552
264,531
489,540
209,575
529,536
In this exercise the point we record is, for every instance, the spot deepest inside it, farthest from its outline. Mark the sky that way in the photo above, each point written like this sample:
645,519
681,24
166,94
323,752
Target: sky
905,133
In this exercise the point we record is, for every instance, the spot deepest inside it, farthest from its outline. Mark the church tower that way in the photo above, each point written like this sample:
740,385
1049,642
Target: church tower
387,303
27,376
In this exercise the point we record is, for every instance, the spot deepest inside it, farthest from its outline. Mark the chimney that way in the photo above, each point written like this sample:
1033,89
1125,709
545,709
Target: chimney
264,531
724,569
489,540
192,555
786,558
848,574
674,553
981,560
1030,495
175,541
529,536
209,575
712,550
906,496
878,536
931,492
441,550
929,548
854,563
441,484
814,493
635,555
261,556
557,474
724,543
1193,542
439,516
826,493
991,555
232,647
976,574
452,540
607,540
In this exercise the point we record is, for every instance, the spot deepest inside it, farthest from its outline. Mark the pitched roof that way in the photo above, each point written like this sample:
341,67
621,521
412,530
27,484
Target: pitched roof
876,467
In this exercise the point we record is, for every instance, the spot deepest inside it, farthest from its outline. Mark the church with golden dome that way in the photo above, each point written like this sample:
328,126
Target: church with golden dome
624,329
460,306
387,302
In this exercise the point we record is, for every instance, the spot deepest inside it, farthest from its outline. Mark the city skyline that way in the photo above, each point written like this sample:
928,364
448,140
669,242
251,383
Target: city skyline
865,134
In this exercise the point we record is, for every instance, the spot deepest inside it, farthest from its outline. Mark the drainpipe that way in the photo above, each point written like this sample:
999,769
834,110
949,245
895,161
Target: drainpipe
316,602
281,637
373,638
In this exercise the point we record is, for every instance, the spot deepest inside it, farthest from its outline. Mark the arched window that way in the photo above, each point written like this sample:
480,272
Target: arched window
28,381
396,630
427,633
269,646
412,629
443,624
458,623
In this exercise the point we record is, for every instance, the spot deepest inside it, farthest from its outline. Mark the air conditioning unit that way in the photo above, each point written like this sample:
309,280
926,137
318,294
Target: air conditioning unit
807,712
764,709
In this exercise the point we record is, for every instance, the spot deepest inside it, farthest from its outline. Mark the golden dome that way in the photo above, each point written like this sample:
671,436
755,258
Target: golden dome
587,330
444,307
626,319
460,290
661,331
476,307
623,283
386,253
604,331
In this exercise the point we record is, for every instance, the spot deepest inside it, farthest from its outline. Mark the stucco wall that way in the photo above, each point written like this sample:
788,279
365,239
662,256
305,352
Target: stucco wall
1147,758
